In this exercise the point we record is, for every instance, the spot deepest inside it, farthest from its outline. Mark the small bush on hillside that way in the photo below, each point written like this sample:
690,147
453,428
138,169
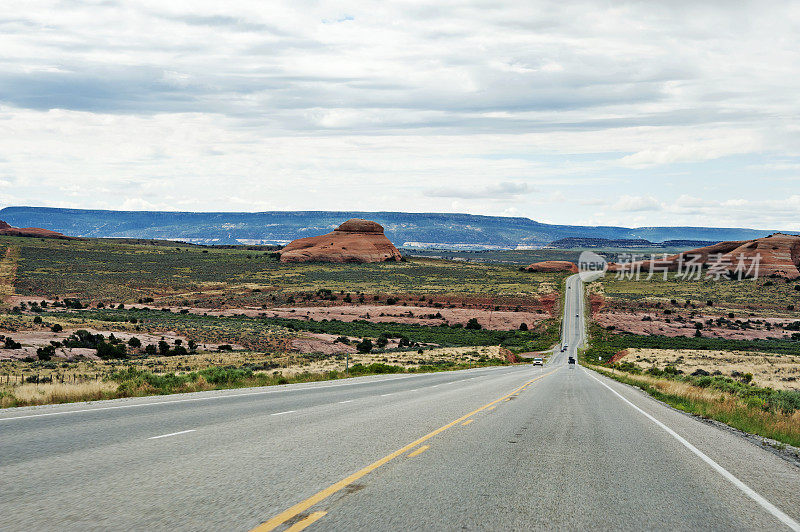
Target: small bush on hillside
473,324
46,353
364,346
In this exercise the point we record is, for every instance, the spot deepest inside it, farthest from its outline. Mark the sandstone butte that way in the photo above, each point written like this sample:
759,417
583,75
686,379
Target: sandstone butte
552,266
7,230
779,257
355,240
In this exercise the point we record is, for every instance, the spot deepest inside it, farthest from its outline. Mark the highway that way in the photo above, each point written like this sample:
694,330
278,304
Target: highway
516,448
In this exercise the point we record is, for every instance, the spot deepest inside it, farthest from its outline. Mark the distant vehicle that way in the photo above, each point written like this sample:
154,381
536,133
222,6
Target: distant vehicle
563,348
537,361
571,360
577,315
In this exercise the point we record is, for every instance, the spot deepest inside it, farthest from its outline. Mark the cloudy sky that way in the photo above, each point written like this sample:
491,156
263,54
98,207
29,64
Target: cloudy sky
624,113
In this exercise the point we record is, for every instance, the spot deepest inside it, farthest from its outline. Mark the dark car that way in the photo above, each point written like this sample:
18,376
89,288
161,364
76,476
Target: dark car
571,360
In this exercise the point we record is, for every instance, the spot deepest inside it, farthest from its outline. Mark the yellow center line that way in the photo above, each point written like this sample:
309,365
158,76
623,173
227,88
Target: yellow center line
338,486
491,407
300,525
419,451
467,422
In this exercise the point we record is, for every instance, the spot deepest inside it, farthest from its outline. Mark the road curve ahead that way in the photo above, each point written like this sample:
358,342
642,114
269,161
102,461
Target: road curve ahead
510,447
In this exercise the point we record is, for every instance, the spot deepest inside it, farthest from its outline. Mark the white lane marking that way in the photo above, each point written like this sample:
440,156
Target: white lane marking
194,399
343,402
386,394
171,434
744,488
282,413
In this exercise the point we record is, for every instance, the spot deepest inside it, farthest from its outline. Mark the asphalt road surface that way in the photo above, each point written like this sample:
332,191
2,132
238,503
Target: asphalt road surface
499,448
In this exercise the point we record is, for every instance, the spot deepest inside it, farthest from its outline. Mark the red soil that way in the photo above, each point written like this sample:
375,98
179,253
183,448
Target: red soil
489,319
37,232
654,323
596,303
355,240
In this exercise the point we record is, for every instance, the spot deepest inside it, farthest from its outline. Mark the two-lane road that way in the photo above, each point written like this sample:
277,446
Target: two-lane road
512,447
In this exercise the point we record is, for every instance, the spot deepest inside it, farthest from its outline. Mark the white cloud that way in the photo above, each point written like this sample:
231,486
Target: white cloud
636,204
504,190
700,150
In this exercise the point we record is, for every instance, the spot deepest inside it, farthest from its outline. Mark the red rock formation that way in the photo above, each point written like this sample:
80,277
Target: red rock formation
355,240
552,266
777,255
7,230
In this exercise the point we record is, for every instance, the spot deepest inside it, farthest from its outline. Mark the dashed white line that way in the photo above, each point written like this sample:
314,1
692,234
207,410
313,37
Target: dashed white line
343,402
282,413
205,398
170,434
386,394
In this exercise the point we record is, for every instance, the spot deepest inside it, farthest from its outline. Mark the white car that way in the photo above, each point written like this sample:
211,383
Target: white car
538,361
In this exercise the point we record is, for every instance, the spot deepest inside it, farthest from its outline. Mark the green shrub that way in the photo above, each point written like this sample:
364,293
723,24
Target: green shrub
364,346
46,353
473,324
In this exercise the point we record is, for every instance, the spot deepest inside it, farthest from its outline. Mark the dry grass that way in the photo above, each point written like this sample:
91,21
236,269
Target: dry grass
8,272
771,370
714,404
91,386
406,359
50,393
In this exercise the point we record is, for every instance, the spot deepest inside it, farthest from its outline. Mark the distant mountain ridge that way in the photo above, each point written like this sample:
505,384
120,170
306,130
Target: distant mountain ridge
283,226
576,242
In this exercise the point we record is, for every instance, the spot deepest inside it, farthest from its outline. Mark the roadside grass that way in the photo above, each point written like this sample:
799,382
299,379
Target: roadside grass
736,402
747,416
133,382
54,393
